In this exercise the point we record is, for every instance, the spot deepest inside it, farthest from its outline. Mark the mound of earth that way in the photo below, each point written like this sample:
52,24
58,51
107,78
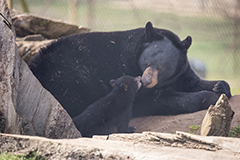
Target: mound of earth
182,122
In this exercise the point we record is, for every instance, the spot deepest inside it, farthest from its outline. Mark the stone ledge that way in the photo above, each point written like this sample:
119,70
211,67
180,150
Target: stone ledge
125,146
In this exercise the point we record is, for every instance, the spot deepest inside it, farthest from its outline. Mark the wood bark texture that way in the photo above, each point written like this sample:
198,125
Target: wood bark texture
26,107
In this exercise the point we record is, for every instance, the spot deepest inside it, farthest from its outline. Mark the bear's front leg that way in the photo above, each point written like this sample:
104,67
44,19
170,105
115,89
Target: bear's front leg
218,87
123,121
222,87
190,82
187,102
173,103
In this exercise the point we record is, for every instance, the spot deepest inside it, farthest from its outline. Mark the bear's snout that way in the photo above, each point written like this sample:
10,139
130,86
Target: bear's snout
150,77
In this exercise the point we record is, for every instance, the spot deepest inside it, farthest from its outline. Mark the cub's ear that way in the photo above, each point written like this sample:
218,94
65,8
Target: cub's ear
186,43
112,82
124,87
151,33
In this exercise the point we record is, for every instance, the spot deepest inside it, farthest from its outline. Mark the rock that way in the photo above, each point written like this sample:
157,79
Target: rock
25,106
148,145
217,120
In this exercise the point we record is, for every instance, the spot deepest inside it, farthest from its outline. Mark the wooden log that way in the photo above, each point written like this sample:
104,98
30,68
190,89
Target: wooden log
30,45
26,107
7,76
217,121
26,24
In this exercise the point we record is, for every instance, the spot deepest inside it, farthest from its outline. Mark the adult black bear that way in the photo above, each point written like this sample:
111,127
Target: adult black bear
113,110
76,70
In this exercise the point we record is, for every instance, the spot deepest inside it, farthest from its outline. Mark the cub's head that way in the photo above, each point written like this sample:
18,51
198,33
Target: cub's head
126,84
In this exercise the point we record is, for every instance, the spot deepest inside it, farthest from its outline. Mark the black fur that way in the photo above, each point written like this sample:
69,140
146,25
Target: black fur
76,70
112,110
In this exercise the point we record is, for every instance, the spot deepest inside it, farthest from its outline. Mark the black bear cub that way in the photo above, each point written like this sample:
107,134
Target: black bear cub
113,110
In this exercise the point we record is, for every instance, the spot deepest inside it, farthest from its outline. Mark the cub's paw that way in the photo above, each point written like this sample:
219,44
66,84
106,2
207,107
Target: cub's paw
131,129
222,87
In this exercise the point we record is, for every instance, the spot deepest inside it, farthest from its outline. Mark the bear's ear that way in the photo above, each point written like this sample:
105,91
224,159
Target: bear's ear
186,43
112,82
151,33
124,87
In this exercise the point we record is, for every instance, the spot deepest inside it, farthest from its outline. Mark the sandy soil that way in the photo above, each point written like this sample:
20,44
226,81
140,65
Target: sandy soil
170,124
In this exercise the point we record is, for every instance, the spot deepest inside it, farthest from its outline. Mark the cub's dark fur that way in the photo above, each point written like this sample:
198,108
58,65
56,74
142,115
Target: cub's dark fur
112,110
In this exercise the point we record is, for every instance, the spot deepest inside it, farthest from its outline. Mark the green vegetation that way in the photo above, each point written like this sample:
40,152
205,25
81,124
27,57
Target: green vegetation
213,34
234,132
194,129
9,156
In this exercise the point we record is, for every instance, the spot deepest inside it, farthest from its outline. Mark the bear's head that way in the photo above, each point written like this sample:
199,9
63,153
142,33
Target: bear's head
164,57
126,84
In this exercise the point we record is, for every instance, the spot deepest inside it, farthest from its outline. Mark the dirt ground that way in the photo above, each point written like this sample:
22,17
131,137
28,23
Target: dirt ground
171,124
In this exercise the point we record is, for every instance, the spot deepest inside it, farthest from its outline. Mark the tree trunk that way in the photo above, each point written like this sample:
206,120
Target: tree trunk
26,106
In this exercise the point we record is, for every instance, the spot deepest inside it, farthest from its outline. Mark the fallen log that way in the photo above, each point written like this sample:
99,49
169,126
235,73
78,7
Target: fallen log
26,24
217,121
